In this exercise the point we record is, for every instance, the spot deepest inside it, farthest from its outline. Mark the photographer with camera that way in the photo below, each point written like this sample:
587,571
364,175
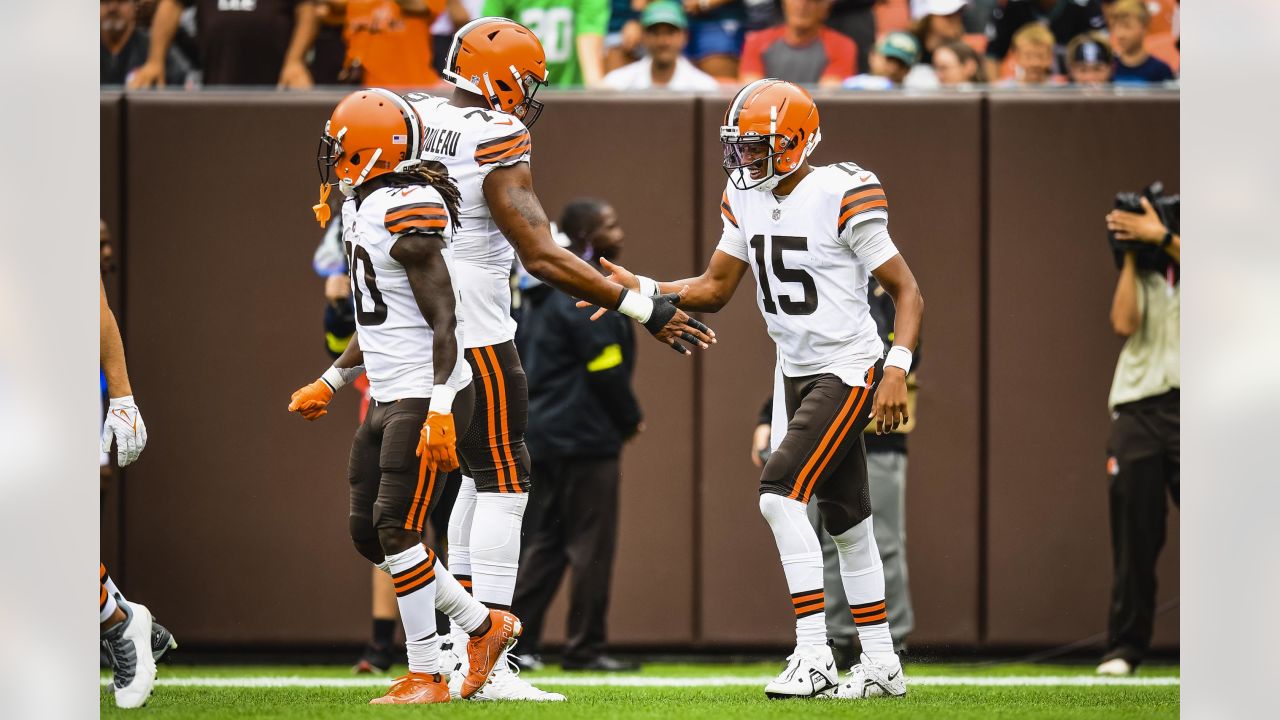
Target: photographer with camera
1143,448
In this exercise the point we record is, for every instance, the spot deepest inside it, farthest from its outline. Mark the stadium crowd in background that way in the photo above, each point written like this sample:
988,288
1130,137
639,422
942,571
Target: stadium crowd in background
295,44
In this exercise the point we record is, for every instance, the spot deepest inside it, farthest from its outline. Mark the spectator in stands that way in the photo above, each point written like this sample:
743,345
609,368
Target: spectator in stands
856,20
125,45
1089,60
582,410
389,43
716,29
940,22
663,67
801,50
1032,56
890,62
622,40
242,42
1134,65
456,14
1143,449
958,64
1064,18
571,31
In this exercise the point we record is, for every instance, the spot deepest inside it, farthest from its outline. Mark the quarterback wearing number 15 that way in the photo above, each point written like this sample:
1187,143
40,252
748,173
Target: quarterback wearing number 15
811,235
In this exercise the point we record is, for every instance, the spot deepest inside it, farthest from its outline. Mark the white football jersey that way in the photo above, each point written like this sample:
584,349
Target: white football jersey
811,254
471,142
396,340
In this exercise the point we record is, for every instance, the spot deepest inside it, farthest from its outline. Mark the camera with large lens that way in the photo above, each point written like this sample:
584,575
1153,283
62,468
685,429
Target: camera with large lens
1167,207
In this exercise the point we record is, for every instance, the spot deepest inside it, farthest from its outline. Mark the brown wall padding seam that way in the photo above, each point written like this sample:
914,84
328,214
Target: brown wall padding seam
695,587
984,240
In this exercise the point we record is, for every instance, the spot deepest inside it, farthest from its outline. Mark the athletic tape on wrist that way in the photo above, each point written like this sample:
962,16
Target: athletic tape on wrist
648,286
898,357
635,306
333,378
442,399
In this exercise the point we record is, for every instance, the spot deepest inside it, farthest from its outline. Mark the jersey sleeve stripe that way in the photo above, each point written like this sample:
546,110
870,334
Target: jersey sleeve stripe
860,193
496,149
417,223
514,151
726,210
861,201
415,209
489,145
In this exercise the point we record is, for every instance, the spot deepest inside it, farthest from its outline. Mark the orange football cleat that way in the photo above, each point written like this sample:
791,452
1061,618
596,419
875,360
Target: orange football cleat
415,689
484,650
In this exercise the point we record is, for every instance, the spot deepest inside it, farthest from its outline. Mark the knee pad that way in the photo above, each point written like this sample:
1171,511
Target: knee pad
857,547
497,523
790,524
365,538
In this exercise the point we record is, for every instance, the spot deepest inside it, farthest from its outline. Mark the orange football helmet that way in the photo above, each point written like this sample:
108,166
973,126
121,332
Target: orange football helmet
371,132
769,129
501,61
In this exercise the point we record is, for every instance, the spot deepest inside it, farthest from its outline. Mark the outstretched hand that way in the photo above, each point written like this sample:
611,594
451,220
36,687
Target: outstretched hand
617,275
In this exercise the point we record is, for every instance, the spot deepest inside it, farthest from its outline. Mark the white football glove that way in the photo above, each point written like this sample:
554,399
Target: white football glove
124,422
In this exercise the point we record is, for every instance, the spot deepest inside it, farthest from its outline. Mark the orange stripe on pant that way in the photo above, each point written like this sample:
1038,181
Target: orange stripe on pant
504,440
822,446
491,408
862,394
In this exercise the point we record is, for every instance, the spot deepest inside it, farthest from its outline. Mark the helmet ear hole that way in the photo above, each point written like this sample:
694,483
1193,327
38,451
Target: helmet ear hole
355,159
503,86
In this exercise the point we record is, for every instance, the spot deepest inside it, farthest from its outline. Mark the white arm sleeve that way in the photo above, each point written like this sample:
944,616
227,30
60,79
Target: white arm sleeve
870,241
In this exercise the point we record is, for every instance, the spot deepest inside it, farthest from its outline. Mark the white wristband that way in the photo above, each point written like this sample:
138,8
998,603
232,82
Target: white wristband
898,357
648,286
335,377
636,306
442,399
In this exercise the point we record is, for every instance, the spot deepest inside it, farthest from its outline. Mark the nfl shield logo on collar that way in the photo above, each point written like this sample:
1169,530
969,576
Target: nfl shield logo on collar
777,213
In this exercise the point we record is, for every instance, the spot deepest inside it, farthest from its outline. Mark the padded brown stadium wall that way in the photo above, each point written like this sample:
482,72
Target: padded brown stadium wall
236,529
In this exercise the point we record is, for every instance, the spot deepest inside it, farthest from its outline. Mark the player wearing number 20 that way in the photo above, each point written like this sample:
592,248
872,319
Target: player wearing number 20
811,235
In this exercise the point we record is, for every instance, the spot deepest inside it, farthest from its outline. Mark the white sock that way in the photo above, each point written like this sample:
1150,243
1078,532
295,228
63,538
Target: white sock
413,573
495,546
464,611
862,574
801,557
460,521
106,604
112,590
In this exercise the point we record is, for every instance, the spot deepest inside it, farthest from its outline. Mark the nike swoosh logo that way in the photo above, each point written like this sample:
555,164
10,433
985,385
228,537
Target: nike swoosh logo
863,178
502,122
405,193
894,675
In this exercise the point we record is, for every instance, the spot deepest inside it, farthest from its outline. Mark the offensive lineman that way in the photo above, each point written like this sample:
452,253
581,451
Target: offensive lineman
810,235
397,220
480,134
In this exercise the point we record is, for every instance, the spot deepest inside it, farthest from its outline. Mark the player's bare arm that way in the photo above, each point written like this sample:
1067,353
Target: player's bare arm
424,265
708,292
889,408
519,214
124,422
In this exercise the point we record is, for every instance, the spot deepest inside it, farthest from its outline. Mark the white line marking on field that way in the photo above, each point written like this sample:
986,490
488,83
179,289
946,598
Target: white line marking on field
652,681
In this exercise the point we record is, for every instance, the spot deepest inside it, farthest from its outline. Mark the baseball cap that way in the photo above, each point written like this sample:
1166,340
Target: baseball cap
900,45
1090,51
938,7
664,12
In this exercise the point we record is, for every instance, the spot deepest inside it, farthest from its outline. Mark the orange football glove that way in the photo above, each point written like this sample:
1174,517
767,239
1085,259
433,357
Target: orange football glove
438,443
311,400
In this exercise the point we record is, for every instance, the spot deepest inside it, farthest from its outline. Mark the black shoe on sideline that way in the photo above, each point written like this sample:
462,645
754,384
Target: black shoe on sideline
602,663
375,660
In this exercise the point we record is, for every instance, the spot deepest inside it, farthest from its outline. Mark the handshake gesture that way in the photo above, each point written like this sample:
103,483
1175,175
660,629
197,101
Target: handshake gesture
667,322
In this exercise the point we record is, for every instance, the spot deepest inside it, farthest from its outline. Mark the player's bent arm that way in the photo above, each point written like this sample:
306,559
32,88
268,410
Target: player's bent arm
711,290
111,349
896,278
312,400
424,265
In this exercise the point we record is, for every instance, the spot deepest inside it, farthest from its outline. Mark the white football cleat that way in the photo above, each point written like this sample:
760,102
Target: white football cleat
810,672
453,661
1116,667
129,646
506,684
870,679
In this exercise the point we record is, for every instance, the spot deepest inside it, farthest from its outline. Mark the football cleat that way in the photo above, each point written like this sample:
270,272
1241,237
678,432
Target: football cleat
1117,667
506,684
162,641
415,689
484,651
810,672
453,661
870,679
375,660
129,647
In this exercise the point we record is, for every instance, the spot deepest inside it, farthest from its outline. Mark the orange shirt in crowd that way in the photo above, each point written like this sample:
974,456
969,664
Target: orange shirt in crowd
392,46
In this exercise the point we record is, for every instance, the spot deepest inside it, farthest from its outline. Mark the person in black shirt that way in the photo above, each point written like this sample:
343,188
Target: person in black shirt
1133,64
856,19
582,410
1065,18
125,46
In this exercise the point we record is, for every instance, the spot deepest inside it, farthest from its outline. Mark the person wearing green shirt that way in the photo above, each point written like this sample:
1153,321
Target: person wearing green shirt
571,31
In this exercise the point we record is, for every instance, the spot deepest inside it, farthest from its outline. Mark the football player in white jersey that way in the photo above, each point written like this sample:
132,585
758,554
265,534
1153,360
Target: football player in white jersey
811,235
398,219
480,133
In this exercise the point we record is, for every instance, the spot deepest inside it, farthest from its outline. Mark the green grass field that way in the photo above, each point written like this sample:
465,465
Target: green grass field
715,691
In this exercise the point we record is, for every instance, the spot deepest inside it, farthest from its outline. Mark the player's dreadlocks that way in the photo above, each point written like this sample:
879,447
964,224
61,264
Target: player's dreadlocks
429,172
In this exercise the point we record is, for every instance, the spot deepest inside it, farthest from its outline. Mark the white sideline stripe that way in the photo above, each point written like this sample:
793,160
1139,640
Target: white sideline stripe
643,681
